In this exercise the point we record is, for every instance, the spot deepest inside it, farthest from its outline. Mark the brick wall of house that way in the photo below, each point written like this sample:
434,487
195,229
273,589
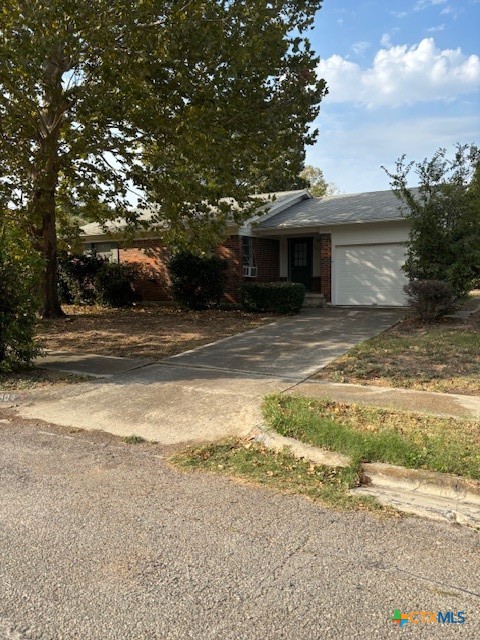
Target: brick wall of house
266,257
231,250
153,283
326,266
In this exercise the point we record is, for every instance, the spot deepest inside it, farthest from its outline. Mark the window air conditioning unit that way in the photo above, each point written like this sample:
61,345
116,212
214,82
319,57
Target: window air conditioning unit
250,272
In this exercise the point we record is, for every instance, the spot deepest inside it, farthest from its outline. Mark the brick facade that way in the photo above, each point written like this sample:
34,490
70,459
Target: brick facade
266,257
231,250
153,283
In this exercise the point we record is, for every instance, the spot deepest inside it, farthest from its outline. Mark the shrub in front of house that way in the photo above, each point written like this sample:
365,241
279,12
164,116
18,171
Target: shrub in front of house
430,299
275,297
90,279
198,282
114,285
76,275
20,279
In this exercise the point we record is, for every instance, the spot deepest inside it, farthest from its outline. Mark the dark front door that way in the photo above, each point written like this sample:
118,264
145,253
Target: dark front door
300,251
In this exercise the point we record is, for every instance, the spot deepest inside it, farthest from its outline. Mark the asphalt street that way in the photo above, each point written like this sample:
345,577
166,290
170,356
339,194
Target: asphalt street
104,540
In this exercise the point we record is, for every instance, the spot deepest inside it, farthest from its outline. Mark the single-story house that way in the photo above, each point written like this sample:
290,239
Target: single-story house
347,248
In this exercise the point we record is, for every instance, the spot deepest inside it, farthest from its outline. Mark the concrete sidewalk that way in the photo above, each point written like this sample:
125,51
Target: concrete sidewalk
89,364
441,404
163,403
173,405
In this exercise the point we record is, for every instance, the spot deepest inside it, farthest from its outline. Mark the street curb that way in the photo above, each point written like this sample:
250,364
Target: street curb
438,496
445,485
431,494
276,442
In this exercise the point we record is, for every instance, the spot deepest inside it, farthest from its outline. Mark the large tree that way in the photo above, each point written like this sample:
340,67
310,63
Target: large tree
444,214
182,102
316,182
288,171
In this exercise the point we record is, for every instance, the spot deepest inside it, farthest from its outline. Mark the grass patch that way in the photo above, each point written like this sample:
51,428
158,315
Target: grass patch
280,471
133,439
368,434
441,357
33,378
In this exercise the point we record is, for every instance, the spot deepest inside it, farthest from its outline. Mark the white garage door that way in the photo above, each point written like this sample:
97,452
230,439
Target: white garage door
370,274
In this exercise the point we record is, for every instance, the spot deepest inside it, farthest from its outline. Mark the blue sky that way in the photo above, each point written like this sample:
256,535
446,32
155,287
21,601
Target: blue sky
403,76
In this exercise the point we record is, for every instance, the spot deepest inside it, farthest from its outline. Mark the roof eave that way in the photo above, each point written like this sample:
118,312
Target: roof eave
317,227
276,208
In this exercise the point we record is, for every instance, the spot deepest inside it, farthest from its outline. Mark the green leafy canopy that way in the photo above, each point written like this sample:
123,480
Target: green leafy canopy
444,213
183,103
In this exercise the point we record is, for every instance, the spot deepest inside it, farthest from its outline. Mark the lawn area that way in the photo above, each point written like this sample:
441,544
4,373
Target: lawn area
365,434
368,434
142,332
441,357
253,463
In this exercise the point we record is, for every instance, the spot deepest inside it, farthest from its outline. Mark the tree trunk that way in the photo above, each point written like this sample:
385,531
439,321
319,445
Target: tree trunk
51,304
43,206
46,175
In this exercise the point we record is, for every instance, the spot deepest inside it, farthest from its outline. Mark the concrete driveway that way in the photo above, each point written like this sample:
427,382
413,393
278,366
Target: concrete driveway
292,348
208,393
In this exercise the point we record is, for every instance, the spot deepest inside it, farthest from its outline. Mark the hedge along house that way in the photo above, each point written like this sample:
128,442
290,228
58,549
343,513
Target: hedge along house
345,249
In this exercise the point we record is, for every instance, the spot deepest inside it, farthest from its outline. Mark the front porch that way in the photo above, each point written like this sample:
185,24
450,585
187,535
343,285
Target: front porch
304,258
307,259
314,300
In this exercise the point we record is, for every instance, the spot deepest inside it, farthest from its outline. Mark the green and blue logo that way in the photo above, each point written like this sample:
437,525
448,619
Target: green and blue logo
428,617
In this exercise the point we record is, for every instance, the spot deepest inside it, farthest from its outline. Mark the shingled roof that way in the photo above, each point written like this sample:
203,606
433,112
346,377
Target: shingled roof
373,206
270,203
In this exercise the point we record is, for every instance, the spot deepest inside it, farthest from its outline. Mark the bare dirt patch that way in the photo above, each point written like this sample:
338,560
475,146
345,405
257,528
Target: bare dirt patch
142,332
441,357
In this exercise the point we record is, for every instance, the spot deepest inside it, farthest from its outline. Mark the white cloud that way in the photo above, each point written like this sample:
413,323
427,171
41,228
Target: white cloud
453,11
440,27
361,47
402,75
351,153
385,41
423,4
401,14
